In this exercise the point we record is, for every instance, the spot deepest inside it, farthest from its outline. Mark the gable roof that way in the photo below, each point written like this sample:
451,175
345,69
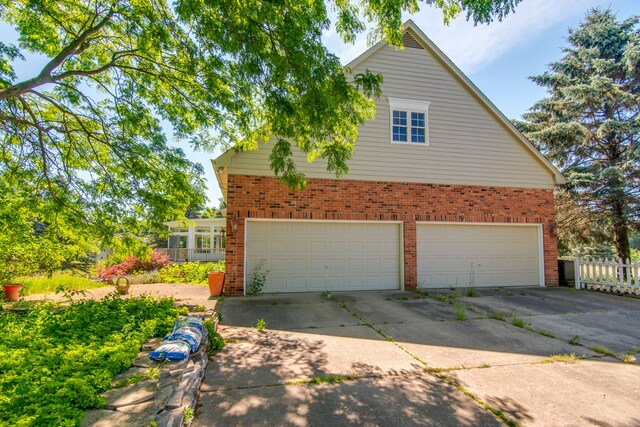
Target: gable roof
415,38
421,38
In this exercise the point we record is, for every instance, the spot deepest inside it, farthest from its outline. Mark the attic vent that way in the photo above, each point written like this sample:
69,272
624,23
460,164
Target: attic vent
409,41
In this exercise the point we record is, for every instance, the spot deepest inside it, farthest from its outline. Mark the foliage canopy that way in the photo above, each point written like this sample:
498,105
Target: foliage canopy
589,125
82,141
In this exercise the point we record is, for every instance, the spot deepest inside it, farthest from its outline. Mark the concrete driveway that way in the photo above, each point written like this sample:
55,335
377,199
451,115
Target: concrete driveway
401,358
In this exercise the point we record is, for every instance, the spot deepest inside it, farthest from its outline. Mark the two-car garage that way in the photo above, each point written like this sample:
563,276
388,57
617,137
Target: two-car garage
308,256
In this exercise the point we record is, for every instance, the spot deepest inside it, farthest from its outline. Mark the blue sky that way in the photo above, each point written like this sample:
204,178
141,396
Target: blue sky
498,57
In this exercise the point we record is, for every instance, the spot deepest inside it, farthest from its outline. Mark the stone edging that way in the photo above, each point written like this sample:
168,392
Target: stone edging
163,394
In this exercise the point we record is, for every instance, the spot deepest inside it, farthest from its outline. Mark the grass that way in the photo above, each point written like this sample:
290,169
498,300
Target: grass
496,315
575,340
328,379
547,333
565,358
67,282
518,321
461,312
472,292
600,349
629,358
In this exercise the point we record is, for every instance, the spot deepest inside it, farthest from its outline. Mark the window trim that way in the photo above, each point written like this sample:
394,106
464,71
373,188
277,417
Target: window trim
409,106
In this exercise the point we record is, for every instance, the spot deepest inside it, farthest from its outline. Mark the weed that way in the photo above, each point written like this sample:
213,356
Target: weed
519,322
385,323
221,298
274,303
602,350
461,312
509,293
261,325
216,342
403,298
329,379
388,299
152,373
565,358
547,333
312,327
443,298
342,325
496,315
575,340
188,416
260,273
472,292
629,358
200,308
219,314
326,294
484,366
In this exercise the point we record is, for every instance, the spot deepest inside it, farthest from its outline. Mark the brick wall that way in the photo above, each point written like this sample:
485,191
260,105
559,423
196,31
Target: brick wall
265,197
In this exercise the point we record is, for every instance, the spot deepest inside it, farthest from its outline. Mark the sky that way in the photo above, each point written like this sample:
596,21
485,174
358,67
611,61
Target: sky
498,57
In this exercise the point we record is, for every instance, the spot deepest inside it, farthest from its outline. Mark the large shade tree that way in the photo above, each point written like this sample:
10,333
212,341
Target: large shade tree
589,125
81,139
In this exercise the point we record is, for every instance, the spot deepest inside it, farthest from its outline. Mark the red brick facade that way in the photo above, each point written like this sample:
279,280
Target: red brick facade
330,199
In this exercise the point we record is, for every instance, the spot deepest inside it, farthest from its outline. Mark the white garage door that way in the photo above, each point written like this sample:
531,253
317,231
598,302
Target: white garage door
478,255
318,256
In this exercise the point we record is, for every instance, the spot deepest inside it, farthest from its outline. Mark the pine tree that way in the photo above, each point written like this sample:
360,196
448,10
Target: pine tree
589,125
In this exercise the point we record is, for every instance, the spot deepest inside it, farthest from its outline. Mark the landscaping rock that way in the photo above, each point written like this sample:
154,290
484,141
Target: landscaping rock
170,419
104,418
175,401
162,401
131,395
129,373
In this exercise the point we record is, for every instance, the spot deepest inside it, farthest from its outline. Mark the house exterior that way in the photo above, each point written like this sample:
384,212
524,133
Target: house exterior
201,239
442,191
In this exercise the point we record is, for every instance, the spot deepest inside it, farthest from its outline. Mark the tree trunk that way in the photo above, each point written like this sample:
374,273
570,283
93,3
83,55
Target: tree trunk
621,235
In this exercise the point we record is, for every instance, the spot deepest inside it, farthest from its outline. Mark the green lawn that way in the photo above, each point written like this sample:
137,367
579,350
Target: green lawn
44,284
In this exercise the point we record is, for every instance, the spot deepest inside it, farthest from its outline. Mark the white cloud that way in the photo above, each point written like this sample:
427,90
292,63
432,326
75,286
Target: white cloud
475,47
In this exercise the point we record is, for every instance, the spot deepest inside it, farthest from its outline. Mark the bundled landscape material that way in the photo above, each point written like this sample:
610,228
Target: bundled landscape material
185,337
171,350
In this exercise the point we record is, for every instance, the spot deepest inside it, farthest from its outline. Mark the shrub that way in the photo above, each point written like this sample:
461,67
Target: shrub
142,278
132,265
56,361
189,272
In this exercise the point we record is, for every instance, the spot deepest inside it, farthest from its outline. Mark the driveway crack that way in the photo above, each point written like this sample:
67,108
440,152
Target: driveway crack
441,376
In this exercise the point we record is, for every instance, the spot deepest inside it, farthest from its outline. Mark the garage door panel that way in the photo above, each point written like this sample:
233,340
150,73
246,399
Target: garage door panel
477,255
316,256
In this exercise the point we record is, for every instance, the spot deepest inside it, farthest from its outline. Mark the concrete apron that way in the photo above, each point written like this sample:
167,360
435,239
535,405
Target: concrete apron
379,344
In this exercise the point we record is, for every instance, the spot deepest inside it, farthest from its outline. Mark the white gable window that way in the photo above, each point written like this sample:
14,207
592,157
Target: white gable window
409,121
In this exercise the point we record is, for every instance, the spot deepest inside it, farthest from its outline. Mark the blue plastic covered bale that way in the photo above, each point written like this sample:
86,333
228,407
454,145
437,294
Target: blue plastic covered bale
171,350
191,336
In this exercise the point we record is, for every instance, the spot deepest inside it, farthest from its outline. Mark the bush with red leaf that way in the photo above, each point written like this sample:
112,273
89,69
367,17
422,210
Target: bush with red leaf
133,265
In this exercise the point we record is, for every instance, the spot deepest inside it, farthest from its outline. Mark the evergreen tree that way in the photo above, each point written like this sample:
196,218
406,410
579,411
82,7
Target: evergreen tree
590,127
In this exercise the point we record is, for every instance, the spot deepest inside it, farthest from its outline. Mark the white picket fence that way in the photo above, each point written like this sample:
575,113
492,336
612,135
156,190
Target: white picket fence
607,275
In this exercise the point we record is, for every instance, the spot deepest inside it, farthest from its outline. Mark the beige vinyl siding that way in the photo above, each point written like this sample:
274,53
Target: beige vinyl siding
468,145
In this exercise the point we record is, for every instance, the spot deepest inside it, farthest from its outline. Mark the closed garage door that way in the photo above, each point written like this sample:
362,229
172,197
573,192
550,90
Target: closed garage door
478,255
318,256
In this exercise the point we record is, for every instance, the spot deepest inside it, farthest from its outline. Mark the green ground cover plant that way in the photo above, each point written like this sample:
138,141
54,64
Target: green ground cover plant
189,272
55,361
